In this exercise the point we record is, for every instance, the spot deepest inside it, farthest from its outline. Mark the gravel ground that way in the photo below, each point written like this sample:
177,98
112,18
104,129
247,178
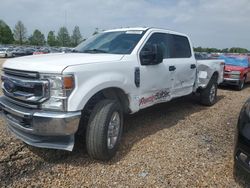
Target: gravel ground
177,144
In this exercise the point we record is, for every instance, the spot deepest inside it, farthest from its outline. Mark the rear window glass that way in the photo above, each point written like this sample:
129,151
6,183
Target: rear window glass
180,47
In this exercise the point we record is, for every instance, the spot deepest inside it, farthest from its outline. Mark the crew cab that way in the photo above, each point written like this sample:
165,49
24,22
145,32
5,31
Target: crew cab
48,99
237,70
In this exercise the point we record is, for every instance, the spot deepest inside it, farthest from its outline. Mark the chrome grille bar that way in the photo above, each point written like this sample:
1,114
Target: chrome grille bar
25,89
25,74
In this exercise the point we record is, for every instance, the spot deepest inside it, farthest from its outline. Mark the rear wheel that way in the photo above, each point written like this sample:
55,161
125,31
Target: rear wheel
104,130
208,96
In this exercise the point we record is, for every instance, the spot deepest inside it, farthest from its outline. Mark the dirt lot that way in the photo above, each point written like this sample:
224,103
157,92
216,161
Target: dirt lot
176,144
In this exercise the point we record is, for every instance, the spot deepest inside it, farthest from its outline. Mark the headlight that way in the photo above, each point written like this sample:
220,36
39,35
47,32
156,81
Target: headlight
61,87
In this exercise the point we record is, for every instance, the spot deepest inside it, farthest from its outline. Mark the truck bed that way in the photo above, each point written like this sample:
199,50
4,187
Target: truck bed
206,69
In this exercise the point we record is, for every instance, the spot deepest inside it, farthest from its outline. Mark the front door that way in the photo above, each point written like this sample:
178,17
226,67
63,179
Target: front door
156,80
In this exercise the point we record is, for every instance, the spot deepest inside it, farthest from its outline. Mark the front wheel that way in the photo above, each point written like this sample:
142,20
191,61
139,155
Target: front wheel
104,130
208,96
241,84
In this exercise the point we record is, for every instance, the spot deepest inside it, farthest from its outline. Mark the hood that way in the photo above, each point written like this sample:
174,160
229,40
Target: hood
233,68
57,62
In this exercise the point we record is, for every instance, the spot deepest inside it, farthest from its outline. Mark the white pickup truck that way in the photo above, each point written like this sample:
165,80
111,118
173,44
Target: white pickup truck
48,99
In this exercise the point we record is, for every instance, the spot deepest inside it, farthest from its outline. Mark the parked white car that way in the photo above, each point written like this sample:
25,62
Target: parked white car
49,99
5,52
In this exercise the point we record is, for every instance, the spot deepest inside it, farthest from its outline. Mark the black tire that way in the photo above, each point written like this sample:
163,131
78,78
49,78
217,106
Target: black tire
98,127
241,84
241,176
208,96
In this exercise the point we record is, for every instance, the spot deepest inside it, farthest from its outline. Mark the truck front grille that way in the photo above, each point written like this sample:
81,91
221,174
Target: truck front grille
24,88
22,74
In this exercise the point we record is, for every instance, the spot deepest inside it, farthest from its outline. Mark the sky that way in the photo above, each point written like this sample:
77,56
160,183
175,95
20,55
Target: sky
209,23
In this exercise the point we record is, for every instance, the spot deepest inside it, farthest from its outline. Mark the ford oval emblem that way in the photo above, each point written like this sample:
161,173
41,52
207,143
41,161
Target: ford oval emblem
9,85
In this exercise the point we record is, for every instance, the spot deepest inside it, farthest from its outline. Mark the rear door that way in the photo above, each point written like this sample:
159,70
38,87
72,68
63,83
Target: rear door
184,65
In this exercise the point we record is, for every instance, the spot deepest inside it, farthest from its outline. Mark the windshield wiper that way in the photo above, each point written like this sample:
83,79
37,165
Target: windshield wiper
94,51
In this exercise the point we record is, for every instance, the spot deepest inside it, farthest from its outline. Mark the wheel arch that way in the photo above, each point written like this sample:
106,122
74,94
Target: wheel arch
215,76
114,93
245,75
205,82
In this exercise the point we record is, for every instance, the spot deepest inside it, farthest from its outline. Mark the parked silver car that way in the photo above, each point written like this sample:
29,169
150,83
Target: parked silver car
6,52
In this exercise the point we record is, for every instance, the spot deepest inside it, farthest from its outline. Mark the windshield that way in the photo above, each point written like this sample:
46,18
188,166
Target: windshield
118,42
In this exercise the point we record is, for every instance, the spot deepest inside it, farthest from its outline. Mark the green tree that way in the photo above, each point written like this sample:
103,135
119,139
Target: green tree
37,38
208,50
238,50
51,39
20,32
225,50
6,36
63,37
76,36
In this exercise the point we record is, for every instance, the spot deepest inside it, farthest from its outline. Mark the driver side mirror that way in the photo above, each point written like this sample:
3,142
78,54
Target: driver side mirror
151,55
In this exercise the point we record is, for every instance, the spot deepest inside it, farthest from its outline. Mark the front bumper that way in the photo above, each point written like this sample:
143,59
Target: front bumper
46,129
231,81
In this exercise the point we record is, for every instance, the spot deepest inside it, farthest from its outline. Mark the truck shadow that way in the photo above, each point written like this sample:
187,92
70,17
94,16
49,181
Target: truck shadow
136,127
154,119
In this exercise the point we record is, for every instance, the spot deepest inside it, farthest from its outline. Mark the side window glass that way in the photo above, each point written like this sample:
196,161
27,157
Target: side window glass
160,39
180,47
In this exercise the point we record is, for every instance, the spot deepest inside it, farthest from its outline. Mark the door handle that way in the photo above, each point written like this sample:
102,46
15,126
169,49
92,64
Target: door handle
192,66
172,68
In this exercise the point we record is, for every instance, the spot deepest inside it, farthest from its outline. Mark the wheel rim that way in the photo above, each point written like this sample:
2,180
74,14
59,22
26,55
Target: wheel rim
242,83
212,93
113,130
